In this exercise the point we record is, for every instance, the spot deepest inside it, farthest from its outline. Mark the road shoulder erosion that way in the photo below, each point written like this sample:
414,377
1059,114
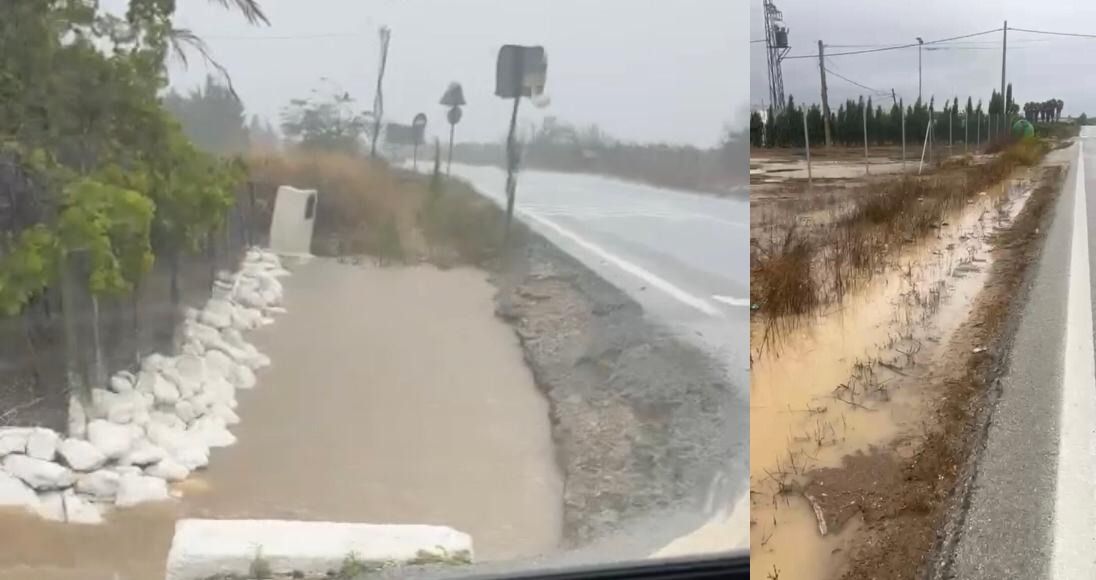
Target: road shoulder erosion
1002,517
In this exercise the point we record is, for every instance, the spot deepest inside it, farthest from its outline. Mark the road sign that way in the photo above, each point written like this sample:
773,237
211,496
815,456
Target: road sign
419,125
521,71
454,115
454,96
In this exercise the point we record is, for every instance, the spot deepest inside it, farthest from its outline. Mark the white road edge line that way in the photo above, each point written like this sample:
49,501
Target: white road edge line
1074,552
663,285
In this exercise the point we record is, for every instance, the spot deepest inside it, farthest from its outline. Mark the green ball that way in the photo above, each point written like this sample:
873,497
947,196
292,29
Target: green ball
1022,128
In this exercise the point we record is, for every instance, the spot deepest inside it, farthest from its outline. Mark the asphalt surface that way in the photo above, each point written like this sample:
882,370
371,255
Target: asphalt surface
1008,529
683,256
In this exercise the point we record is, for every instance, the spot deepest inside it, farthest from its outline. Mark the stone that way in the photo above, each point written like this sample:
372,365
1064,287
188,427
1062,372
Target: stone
212,432
80,511
214,319
122,382
51,506
222,391
81,455
138,489
168,469
102,401
242,377
15,493
122,410
77,418
218,364
102,484
146,380
111,439
191,368
165,391
169,420
124,470
13,440
186,411
42,443
224,413
153,362
40,474
143,453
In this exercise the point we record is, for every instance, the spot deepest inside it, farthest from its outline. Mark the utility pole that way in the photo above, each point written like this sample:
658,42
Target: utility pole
378,98
825,98
920,44
1004,50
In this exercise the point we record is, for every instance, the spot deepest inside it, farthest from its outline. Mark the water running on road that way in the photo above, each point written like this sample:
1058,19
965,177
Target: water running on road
395,396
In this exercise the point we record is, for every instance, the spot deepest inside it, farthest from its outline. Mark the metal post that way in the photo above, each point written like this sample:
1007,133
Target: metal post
866,170
966,133
807,141
924,147
978,133
511,165
449,160
903,137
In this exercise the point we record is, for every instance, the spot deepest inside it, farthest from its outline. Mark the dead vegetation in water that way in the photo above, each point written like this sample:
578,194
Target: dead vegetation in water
801,264
903,498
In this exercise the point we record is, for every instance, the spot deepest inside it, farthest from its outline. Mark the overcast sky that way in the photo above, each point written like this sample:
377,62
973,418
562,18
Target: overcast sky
644,70
1039,67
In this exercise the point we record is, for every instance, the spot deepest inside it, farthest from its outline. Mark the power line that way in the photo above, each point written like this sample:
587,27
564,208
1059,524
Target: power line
1054,33
847,79
896,47
287,37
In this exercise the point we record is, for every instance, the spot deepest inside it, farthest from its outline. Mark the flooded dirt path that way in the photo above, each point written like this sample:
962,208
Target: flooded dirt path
395,396
838,383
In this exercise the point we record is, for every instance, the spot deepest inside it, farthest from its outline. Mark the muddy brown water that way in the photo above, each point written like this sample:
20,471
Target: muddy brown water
395,396
796,423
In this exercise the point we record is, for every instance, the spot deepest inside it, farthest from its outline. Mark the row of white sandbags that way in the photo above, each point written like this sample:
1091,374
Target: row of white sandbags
153,426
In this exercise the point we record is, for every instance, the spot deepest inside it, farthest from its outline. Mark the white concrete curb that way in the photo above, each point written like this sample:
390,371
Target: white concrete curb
206,548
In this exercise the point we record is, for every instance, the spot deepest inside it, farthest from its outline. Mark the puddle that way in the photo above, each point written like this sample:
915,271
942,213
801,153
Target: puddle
831,386
395,396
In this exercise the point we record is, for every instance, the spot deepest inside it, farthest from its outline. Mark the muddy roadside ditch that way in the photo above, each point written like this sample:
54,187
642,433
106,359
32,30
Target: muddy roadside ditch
857,395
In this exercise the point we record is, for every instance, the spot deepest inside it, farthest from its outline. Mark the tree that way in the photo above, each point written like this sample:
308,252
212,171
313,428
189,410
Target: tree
212,117
757,129
325,125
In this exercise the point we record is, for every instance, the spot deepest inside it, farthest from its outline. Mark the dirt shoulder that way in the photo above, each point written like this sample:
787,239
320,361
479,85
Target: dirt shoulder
905,499
641,420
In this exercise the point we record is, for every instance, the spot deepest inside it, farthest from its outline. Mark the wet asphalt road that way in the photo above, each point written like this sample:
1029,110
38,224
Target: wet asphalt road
1015,516
682,256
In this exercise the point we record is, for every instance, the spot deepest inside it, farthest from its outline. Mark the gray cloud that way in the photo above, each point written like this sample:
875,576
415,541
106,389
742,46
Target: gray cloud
1039,67
646,70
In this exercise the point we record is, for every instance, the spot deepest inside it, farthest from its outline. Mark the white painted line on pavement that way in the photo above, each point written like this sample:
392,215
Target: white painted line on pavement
739,302
1074,554
648,277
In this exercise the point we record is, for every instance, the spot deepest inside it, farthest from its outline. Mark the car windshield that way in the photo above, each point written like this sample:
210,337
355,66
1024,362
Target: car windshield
352,289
